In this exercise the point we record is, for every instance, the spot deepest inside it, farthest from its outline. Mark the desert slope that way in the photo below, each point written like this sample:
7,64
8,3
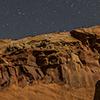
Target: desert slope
53,66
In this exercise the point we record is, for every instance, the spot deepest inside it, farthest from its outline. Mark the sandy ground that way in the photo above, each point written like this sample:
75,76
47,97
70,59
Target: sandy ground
45,92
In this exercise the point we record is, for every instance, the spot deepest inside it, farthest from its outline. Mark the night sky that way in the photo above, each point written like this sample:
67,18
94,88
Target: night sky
19,18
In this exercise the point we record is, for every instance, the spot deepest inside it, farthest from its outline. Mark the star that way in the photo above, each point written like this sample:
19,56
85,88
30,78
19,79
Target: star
40,23
72,5
37,20
49,1
18,9
78,12
19,13
66,2
5,25
32,13
54,11
95,14
23,14
79,0
53,23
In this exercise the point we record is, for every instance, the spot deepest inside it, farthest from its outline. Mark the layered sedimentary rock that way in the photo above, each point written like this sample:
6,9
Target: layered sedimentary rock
55,66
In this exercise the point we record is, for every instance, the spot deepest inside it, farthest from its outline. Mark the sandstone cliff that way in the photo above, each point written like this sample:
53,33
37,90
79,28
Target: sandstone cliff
54,66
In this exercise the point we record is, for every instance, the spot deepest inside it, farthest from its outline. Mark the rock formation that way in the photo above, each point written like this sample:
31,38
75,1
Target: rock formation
54,66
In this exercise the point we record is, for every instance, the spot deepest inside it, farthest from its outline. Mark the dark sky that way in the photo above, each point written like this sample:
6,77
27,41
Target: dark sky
28,17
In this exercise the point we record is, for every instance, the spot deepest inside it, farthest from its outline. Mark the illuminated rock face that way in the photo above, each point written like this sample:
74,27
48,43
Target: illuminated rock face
68,59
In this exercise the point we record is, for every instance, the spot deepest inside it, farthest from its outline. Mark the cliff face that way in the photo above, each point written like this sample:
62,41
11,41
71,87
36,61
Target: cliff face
55,66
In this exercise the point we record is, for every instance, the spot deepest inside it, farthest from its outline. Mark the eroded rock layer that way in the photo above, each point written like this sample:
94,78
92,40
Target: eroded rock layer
68,59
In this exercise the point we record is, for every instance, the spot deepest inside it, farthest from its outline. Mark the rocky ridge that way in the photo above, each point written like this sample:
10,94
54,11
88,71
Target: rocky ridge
68,59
